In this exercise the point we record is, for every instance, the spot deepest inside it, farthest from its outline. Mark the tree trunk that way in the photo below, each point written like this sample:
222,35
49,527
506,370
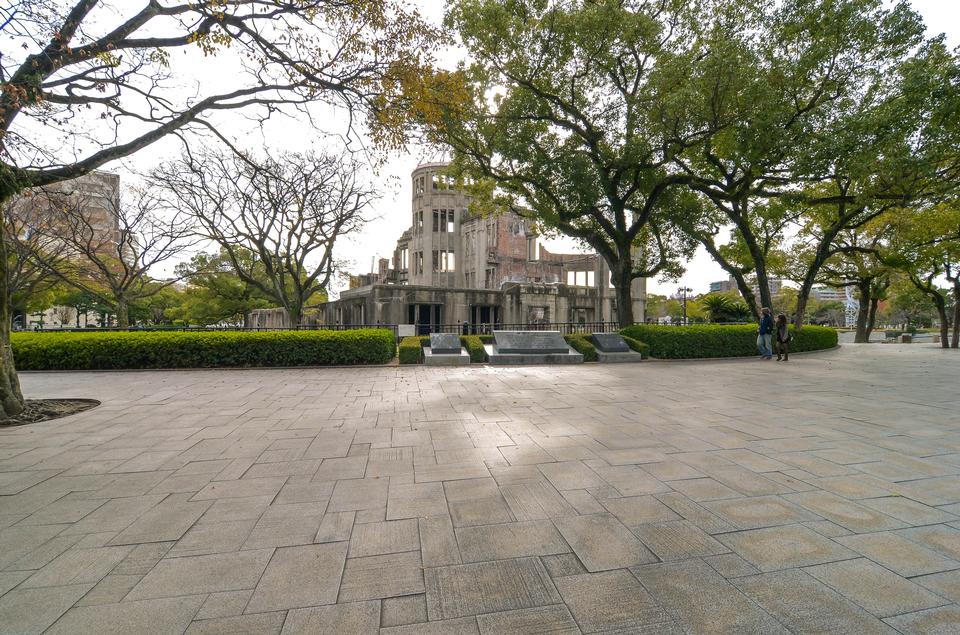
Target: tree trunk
294,313
872,319
735,273
123,314
955,342
11,397
863,315
622,279
944,322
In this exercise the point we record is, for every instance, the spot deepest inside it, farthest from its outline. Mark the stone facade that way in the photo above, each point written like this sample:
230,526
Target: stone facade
98,196
453,266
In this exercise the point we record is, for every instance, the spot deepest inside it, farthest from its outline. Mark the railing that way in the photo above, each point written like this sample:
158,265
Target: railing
566,328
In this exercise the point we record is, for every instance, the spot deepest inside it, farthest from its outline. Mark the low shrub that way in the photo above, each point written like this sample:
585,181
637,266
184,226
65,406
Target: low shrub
411,350
205,349
638,346
812,338
720,340
474,346
582,344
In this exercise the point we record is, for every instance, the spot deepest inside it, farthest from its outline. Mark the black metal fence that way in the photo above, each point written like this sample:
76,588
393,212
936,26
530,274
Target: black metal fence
566,328
464,328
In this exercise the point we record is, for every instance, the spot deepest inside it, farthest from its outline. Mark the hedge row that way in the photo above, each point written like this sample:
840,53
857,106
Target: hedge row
208,349
582,344
720,340
411,348
637,346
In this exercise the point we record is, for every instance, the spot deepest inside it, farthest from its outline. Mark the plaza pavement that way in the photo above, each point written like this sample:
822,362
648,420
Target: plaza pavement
819,496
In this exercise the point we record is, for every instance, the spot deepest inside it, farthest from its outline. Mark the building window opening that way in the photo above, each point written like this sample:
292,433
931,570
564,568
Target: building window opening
443,261
581,278
403,259
443,221
418,221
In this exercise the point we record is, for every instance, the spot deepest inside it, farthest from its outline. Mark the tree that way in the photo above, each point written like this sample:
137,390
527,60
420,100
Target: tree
288,212
85,82
109,245
855,263
82,302
925,247
794,71
26,232
722,307
894,148
215,293
908,305
571,113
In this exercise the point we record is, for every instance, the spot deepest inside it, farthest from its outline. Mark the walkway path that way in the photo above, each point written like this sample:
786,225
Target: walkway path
821,495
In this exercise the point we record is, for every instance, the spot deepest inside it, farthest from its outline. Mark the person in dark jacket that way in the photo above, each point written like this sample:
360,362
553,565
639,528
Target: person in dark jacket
783,338
765,334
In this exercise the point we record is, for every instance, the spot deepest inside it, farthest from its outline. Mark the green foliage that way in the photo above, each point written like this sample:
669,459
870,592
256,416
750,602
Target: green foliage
582,344
216,293
474,346
588,110
212,349
411,350
716,340
721,307
638,346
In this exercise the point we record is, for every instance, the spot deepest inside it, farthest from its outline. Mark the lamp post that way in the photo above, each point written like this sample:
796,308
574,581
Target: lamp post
683,294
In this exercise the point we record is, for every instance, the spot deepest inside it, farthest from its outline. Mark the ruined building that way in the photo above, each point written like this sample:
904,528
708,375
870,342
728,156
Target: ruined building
452,266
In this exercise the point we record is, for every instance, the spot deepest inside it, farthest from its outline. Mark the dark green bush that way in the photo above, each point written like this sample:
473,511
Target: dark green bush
582,344
720,340
474,346
205,349
638,346
411,350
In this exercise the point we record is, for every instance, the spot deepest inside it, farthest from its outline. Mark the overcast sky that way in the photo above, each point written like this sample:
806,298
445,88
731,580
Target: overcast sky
391,215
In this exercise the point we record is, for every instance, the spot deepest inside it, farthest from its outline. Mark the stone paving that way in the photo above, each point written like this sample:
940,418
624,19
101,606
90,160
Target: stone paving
819,496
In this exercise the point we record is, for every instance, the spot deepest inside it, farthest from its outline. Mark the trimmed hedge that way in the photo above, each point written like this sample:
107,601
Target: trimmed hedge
474,346
637,346
206,349
411,350
582,344
721,340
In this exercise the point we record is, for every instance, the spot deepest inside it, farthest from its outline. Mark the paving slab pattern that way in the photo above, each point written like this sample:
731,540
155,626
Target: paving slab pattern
690,497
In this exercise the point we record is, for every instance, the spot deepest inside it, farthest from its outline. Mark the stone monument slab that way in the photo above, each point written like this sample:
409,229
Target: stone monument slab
610,343
529,342
445,343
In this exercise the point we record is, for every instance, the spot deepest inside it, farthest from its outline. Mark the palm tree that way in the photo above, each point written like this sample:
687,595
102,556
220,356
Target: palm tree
716,306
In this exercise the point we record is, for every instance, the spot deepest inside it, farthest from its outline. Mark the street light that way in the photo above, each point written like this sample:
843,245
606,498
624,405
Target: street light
683,291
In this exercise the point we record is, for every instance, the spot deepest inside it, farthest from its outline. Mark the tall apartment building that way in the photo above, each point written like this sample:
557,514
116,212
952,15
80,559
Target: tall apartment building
453,266
97,196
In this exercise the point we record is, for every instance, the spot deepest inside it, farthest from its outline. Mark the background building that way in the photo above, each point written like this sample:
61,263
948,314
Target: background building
97,197
454,266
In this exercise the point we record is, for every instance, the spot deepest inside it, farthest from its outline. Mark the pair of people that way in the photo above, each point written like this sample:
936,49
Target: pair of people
768,329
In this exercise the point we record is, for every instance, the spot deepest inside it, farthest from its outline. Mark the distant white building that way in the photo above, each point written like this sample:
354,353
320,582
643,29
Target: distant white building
828,294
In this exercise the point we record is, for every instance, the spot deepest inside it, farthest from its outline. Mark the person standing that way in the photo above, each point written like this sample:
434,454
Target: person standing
765,334
783,338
